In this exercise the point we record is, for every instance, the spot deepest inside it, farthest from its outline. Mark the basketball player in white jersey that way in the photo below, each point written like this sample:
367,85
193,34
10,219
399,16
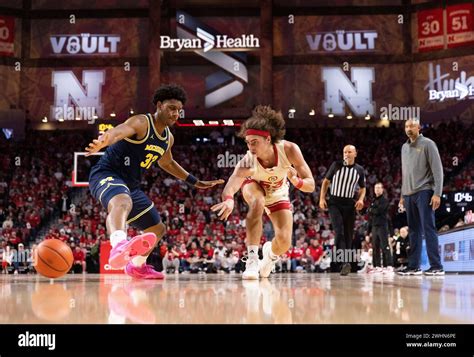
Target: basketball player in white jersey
263,176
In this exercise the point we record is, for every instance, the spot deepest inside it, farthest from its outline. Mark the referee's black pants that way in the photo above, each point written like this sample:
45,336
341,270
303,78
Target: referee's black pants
342,213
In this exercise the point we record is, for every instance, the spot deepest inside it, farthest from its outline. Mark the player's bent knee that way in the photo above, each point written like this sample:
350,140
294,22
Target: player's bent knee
121,202
283,236
256,205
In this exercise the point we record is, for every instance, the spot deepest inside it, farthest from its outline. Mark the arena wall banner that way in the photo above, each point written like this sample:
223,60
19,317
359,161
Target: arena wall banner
445,87
457,251
460,25
364,88
226,43
89,4
430,30
10,92
199,79
101,38
330,35
7,35
105,268
71,93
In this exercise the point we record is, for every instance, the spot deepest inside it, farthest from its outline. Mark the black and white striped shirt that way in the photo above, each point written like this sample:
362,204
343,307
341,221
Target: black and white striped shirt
344,179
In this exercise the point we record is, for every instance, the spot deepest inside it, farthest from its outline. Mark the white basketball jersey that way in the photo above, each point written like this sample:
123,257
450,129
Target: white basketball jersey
274,179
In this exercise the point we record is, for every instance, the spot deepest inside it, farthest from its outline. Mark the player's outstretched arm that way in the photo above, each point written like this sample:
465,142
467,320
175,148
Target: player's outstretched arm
300,174
243,170
133,125
168,164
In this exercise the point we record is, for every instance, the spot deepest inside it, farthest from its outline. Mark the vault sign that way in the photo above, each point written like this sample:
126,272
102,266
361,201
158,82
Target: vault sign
84,44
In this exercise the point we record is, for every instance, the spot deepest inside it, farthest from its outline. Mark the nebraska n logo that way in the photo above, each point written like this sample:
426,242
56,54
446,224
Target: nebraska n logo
229,82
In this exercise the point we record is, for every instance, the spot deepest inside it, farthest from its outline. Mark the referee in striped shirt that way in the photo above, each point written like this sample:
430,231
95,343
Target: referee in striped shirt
343,177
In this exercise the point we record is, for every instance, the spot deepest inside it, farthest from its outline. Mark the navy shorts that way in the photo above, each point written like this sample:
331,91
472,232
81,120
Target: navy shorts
105,184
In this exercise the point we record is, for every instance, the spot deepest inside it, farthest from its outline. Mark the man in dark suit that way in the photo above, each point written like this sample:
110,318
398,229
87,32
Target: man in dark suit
378,224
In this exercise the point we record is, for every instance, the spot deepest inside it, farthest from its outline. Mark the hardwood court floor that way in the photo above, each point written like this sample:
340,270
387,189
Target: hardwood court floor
284,298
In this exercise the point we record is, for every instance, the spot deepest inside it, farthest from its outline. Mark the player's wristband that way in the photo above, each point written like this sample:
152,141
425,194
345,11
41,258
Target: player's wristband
191,179
228,197
300,183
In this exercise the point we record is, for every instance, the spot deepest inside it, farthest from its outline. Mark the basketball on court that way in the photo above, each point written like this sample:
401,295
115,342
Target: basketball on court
53,258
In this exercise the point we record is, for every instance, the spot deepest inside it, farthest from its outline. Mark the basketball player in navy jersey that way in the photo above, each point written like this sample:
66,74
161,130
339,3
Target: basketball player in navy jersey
133,147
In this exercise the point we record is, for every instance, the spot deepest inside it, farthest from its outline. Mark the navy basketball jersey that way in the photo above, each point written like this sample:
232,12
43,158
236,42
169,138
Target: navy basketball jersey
130,157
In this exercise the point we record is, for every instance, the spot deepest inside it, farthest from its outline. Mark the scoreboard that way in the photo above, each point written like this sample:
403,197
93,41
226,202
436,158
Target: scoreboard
458,201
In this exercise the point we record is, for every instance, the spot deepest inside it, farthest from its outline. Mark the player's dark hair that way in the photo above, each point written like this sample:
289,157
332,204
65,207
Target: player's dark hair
265,118
169,91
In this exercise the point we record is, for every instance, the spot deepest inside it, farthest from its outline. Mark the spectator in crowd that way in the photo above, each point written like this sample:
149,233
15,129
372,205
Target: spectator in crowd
231,258
208,258
8,223
325,262
195,261
316,252
7,258
460,223
21,262
444,228
284,264
79,265
217,261
31,259
171,260
378,227
365,263
296,256
307,261
183,255
401,248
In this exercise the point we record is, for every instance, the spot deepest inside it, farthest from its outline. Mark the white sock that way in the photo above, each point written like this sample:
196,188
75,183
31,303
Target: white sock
116,237
139,260
253,251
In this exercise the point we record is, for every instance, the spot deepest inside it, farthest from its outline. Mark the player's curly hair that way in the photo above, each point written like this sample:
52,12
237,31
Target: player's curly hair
169,91
265,118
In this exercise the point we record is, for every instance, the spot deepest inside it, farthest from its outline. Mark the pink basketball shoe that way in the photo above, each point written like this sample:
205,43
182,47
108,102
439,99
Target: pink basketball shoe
127,249
143,272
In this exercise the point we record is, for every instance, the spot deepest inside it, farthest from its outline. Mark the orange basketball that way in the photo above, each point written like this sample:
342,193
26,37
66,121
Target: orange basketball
53,258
